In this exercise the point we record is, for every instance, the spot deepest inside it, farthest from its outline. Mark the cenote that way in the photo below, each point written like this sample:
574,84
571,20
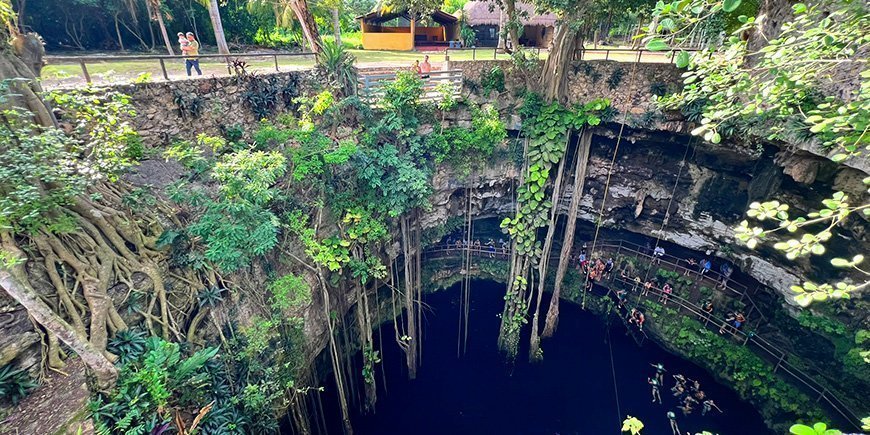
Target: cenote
571,391
329,242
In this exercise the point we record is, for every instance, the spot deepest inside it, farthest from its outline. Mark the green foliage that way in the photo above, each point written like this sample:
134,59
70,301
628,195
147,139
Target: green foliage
289,292
128,344
101,128
331,253
249,175
188,154
632,425
157,380
337,64
233,231
836,210
816,429
15,384
492,80
316,152
40,172
270,136
467,148
548,140
403,94
467,35
790,78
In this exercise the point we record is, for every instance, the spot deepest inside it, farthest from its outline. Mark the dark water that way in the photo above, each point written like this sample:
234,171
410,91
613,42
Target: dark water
570,392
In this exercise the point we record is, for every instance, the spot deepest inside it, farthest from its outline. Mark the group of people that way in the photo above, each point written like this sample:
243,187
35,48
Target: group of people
491,245
423,69
687,392
702,265
595,270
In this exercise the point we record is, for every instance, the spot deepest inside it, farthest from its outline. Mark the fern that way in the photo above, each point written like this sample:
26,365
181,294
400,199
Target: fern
193,363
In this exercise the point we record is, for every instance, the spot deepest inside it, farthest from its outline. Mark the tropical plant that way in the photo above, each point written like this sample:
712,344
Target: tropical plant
816,429
632,425
15,384
337,64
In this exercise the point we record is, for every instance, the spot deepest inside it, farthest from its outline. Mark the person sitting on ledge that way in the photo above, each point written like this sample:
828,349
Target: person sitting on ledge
666,292
647,286
691,265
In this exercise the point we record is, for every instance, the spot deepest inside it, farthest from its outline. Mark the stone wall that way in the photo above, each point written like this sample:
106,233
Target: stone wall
182,109
629,86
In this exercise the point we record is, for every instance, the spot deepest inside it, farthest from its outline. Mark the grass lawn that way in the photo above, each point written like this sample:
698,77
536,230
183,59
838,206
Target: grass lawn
107,72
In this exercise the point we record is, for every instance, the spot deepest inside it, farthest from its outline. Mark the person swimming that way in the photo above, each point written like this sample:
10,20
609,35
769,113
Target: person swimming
660,372
655,390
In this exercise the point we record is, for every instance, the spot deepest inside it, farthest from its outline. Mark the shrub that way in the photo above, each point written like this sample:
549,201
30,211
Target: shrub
493,80
15,384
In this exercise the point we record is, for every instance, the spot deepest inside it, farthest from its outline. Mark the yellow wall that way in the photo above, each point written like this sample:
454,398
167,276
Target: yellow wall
387,41
432,33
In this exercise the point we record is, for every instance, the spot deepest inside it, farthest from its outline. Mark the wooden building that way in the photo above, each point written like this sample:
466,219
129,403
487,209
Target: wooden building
485,18
389,29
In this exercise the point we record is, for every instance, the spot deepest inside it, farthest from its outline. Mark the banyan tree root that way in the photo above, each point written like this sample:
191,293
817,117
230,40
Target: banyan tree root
544,261
570,227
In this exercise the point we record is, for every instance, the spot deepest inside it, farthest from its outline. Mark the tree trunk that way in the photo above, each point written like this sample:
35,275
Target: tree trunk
554,77
118,31
512,23
544,262
215,15
306,20
336,25
11,281
159,15
568,240
149,10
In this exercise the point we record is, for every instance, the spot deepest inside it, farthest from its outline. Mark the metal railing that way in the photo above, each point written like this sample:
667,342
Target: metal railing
766,350
228,59
371,86
615,54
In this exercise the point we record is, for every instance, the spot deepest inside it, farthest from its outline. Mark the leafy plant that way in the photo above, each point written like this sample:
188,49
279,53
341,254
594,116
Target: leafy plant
15,384
128,344
289,292
338,65
632,425
492,80
615,78
816,429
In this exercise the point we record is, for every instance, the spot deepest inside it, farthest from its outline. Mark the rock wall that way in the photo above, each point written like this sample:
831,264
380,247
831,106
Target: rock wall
182,109
629,86
672,187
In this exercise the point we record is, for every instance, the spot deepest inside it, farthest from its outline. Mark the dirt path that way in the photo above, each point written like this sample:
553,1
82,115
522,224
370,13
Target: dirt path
56,406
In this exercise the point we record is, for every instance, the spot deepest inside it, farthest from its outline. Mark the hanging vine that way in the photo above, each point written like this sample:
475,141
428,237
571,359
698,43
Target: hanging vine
547,146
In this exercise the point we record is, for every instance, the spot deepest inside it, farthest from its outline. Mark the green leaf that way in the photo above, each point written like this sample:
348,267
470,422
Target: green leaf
682,59
656,45
799,8
839,262
800,429
730,5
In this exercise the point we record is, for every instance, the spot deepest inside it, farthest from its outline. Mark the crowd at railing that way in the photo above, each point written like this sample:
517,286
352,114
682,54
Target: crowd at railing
657,294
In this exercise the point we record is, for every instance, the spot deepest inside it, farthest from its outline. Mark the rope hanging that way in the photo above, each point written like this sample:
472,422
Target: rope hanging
607,183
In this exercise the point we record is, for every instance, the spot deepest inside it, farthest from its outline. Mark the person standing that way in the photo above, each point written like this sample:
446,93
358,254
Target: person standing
191,54
425,67
672,418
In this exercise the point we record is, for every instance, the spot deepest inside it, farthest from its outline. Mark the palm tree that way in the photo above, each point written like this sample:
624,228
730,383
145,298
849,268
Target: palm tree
215,15
155,7
306,20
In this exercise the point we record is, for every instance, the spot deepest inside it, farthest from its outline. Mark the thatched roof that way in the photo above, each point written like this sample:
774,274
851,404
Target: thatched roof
386,13
478,13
